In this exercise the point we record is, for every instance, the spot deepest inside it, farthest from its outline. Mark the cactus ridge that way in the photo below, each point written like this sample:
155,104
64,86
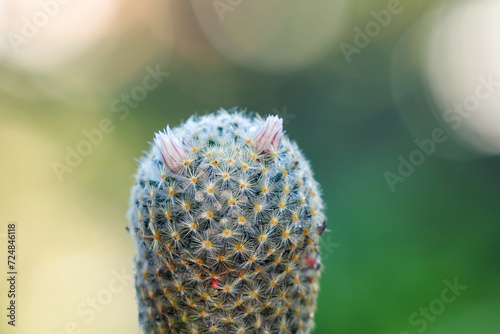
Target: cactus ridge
230,242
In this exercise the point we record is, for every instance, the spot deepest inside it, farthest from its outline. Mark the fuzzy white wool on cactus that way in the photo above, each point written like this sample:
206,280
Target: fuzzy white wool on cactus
174,153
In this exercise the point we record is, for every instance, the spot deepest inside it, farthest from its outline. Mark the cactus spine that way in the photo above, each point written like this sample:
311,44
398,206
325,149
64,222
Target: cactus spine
226,217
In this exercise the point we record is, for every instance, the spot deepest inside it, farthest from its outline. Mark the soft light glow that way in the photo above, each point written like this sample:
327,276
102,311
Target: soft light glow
46,33
463,71
271,35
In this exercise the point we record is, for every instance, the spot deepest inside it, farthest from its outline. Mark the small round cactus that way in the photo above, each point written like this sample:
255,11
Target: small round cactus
227,218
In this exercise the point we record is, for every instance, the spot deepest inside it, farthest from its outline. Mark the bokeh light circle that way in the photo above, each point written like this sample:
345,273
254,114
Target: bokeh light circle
462,69
43,34
275,36
83,49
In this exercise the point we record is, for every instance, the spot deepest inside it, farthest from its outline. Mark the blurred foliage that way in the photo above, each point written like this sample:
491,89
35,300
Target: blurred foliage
392,250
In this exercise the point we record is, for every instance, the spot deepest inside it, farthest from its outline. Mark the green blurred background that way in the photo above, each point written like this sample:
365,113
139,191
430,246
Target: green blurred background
390,249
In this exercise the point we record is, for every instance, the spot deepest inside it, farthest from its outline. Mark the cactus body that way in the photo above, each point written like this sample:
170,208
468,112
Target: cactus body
226,218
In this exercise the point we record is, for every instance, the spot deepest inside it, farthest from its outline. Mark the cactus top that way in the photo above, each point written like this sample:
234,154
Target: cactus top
227,217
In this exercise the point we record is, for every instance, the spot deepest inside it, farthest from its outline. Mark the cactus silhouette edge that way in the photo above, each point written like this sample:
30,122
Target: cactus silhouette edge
226,217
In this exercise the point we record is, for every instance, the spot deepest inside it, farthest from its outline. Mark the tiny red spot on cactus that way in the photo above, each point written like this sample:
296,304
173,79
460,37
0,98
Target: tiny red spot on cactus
311,262
214,284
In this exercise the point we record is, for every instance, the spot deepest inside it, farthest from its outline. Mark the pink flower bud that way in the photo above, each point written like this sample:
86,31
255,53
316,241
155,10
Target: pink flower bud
269,135
171,149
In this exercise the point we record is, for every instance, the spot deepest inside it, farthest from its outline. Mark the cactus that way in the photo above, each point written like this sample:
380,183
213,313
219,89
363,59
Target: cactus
227,218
